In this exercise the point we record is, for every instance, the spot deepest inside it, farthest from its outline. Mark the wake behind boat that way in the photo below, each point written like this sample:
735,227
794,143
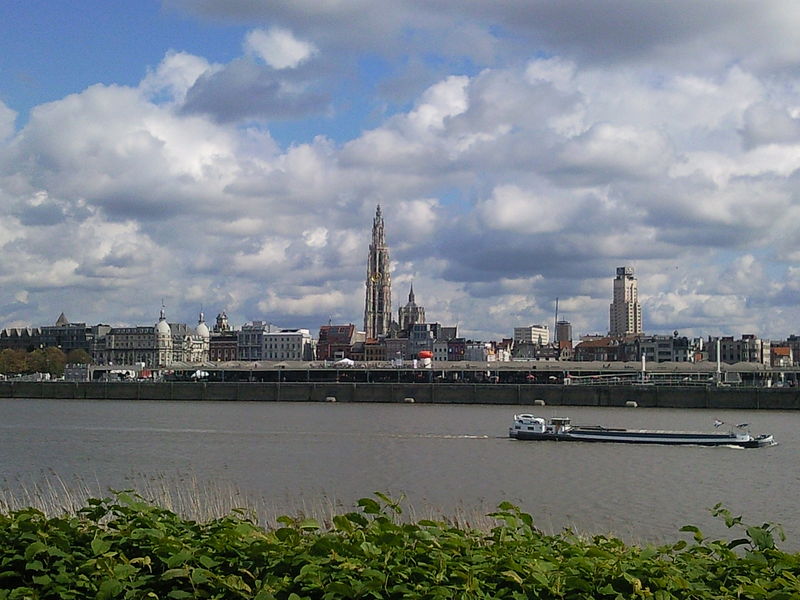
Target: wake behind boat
530,427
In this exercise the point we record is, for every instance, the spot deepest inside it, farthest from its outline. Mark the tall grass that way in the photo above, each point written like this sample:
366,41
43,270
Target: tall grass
198,499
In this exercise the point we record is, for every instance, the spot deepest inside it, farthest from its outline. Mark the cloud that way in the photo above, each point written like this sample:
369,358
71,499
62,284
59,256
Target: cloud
175,76
679,35
608,152
316,238
7,120
565,141
765,124
513,209
278,48
245,90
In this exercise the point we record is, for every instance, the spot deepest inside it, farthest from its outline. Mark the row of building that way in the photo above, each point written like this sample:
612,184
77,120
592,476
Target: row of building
165,344
384,339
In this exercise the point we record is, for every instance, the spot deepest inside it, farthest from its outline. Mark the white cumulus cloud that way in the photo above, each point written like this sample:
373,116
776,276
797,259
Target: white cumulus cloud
278,47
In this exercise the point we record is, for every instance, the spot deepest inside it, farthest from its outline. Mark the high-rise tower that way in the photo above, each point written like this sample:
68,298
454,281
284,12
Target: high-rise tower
378,308
626,312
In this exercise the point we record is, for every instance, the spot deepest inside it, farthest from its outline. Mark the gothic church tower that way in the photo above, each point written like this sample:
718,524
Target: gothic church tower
411,313
378,309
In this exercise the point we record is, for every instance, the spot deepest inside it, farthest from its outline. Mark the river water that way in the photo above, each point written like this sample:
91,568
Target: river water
446,458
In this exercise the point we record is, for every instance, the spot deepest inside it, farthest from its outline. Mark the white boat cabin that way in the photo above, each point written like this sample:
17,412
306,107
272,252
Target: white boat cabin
528,422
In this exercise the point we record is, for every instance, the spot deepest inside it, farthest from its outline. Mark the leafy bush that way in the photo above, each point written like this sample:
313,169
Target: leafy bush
124,547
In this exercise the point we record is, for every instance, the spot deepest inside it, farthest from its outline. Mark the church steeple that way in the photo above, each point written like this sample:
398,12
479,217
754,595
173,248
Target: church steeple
378,305
410,314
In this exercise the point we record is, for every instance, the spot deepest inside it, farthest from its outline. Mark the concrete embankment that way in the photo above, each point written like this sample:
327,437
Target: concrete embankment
555,395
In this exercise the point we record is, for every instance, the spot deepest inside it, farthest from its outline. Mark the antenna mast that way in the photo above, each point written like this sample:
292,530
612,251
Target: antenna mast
555,324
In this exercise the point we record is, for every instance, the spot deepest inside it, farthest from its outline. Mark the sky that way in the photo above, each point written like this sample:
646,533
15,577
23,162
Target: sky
229,155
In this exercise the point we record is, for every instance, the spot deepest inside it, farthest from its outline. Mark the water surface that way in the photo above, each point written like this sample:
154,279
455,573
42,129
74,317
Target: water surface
449,457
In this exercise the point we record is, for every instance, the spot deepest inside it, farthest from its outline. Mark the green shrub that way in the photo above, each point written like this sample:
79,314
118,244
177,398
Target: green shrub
124,547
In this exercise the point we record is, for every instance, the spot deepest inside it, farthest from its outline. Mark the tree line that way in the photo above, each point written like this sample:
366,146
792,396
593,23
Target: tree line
42,360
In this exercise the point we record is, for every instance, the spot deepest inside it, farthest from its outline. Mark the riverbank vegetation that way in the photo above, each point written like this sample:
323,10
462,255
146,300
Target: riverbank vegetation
125,547
41,360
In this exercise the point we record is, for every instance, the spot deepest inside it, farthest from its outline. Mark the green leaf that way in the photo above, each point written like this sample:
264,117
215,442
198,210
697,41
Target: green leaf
370,549
100,546
698,535
179,558
175,573
342,523
648,553
34,549
369,506
309,524
762,538
207,561
340,588
201,576
125,571
235,582
513,576
34,565
109,589
392,504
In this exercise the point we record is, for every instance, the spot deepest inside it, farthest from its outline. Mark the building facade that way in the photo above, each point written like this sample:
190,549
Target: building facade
157,346
396,348
336,341
532,334
421,336
665,348
378,306
625,310
64,335
564,333
223,342
223,346
288,344
749,349
129,346
250,340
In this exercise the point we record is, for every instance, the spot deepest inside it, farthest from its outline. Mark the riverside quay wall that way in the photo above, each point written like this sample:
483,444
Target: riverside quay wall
443,393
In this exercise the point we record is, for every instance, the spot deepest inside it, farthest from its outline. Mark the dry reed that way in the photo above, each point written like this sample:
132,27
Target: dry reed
202,500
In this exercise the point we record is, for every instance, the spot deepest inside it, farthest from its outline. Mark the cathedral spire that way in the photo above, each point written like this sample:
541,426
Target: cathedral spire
378,305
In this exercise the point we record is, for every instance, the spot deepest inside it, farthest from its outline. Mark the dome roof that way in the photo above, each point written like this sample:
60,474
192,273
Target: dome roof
202,328
162,327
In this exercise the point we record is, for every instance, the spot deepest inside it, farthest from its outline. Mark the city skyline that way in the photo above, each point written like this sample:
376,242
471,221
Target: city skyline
230,155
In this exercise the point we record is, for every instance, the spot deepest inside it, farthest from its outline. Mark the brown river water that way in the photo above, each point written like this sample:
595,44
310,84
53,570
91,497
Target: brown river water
448,459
